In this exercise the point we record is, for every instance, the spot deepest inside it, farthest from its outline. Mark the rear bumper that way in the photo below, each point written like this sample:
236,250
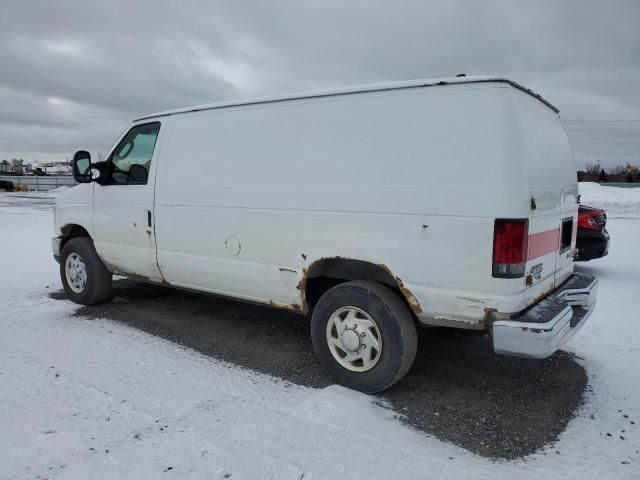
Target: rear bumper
592,245
548,325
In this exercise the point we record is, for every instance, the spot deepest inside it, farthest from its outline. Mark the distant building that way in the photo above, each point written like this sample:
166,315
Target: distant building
57,168
17,166
20,167
14,167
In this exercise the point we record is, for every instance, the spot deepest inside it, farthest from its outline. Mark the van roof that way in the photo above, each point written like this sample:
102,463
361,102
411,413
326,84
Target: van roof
429,82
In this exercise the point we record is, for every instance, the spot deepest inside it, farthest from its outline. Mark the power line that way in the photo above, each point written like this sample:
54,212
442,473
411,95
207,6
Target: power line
602,131
54,123
36,115
603,143
599,121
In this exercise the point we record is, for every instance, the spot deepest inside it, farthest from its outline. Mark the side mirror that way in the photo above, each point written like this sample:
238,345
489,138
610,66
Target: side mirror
82,166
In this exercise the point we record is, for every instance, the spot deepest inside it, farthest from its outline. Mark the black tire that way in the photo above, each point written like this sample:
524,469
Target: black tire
98,283
394,321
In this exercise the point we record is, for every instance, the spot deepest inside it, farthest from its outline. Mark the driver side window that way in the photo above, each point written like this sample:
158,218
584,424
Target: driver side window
131,159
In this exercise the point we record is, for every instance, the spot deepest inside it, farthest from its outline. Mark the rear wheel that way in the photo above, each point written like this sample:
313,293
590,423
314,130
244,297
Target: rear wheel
84,277
364,335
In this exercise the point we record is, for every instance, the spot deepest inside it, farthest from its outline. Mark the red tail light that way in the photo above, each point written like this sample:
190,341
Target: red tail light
589,221
510,244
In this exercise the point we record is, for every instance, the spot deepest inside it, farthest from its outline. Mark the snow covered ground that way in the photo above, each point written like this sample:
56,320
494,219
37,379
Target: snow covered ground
618,202
96,399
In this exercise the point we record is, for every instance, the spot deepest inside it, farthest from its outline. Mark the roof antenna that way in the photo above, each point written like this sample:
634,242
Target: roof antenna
461,75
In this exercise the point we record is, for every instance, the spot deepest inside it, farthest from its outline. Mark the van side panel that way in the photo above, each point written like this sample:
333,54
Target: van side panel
248,197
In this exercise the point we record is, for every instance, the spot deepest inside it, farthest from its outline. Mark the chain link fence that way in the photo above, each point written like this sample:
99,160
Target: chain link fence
40,183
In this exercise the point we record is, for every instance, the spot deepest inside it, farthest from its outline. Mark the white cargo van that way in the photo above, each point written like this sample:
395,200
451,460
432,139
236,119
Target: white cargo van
373,209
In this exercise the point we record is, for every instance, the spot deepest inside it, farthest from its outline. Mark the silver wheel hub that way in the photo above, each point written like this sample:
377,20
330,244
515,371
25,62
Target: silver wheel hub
350,340
354,339
75,272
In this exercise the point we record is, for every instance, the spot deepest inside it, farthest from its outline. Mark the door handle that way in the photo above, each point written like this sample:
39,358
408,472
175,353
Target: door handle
149,218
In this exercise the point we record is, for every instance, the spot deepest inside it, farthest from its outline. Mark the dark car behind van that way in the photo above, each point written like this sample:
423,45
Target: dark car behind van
593,239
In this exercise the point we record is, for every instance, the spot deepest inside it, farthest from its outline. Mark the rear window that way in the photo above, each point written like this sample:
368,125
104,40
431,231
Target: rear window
565,234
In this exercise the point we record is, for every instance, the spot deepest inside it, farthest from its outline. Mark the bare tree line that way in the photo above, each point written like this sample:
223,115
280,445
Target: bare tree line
619,174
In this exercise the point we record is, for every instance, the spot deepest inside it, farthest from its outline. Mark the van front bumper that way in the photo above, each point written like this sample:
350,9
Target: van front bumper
55,246
549,324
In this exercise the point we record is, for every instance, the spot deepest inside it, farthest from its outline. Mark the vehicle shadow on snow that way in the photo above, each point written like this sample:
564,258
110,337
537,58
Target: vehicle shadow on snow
457,390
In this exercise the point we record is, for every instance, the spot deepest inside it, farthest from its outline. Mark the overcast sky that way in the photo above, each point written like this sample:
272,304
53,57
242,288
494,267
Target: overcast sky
73,73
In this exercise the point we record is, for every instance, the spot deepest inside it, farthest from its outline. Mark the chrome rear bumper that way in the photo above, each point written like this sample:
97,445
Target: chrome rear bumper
548,325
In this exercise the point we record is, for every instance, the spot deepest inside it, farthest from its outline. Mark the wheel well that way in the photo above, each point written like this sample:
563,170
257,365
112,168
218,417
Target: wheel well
326,273
72,231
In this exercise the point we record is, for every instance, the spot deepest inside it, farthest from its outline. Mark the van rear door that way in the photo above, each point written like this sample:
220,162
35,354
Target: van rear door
568,232
553,189
552,235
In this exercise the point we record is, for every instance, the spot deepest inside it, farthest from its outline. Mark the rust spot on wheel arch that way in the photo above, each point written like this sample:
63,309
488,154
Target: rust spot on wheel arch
409,297
406,293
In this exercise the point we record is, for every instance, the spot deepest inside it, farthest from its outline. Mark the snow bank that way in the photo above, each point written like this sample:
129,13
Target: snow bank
618,202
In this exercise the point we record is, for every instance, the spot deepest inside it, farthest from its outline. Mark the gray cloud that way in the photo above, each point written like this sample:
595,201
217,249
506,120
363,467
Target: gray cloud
73,73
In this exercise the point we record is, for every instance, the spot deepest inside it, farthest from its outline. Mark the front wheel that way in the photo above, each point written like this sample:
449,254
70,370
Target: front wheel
364,335
84,277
